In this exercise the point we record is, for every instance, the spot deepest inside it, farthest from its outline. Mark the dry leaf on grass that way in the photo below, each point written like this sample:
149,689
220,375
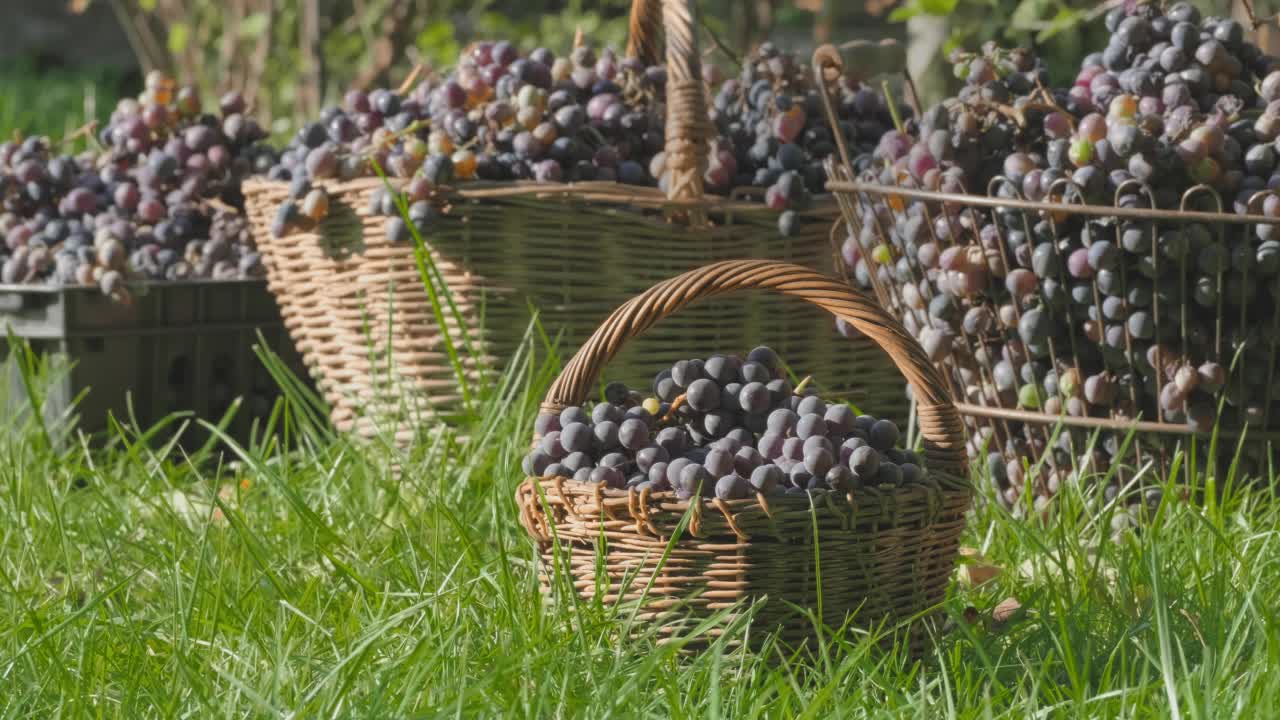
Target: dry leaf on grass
974,568
1005,611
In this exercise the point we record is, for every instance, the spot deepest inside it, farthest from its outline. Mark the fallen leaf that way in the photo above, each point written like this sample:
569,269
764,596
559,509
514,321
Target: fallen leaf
974,568
1006,610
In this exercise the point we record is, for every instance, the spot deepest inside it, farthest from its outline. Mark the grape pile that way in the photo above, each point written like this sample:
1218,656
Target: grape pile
723,427
154,201
500,115
772,132
1093,315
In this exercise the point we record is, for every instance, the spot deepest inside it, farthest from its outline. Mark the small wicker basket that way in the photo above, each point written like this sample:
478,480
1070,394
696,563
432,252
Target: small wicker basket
884,553
358,311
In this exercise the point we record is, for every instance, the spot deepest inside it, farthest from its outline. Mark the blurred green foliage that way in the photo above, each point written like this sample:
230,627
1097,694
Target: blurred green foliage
1062,32
291,57
55,102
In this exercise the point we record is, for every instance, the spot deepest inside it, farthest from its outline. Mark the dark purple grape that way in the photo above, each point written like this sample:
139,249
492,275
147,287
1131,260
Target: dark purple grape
810,425
612,477
840,479
782,421
673,439
648,456
719,462
633,434
576,437
864,461
839,420
685,372
811,405
535,463
746,460
890,474
818,461
702,395
770,445
695,480
765,478
754,398
722,369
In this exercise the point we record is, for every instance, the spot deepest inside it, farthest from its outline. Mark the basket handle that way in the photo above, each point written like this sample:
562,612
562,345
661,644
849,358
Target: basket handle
861,60
939,420
644,34
688,128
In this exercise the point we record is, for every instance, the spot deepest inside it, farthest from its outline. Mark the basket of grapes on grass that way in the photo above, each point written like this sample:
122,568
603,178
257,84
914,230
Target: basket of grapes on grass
128,260
554,183
1093,268
743,486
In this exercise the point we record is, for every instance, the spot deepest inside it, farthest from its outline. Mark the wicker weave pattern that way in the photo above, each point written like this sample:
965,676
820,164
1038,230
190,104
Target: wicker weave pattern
883,552
570,252
644,35
688,130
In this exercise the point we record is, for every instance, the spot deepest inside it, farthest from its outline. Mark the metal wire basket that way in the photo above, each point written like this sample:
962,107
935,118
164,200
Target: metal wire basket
1159,334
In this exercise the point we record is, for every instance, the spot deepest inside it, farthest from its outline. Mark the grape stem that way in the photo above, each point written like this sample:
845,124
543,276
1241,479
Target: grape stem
594,134
410,79
893,108
1047,98
719,44
86,130
803,384
675,405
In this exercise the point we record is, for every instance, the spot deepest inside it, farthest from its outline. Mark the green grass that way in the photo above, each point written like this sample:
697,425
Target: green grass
333,580
336,581
54,102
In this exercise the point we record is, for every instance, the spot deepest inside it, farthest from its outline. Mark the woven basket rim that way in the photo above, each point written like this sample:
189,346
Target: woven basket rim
593,191
880,490
989,201
644,507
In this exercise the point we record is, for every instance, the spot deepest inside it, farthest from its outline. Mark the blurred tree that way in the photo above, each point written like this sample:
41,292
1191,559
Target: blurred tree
290,57
1060,31
1057,30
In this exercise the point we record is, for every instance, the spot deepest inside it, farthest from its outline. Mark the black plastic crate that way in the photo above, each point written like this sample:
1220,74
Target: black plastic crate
184,346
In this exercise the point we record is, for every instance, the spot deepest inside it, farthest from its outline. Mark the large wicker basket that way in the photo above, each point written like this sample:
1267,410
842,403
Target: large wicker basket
1065,437
883,553
358,310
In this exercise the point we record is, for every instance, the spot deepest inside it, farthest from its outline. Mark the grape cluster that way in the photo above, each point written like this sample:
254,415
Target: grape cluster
772,132
724,427
1105,316
155,200
500,115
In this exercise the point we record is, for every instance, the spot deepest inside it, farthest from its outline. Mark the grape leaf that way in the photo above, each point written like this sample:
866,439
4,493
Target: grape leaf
254,25
922,7
938,7
1064,20
179,33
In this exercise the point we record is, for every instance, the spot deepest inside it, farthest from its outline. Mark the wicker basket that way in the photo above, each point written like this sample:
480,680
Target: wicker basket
883,553
1087,337
357,308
